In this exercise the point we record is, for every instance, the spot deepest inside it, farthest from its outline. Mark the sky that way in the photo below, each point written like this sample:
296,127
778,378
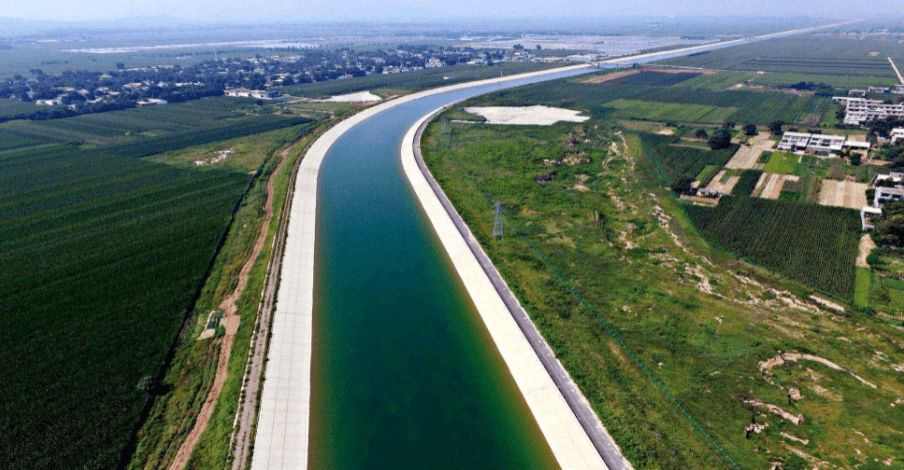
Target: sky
218,11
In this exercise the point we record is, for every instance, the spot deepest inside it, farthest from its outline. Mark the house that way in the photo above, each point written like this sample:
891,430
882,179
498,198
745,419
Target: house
888,187
856,92
867,215
898,90
885,195
896,135
792,141
879,89
151,102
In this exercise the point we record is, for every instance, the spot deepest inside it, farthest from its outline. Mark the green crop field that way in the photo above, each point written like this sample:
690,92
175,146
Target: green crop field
10,107
653,79
681,162
413,81
758,107
103,252
653,111
746,183
837,81
816,245
705,176
783,163
717,81
802,55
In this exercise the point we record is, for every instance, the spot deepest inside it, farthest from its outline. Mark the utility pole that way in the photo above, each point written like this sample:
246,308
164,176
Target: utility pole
497,226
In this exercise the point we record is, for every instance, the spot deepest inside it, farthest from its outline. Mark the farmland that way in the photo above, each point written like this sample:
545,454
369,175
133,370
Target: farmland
759,107
815,245
645,78
802,55
103,255
412,81
683,162
747,182
639,307
718,81
653,111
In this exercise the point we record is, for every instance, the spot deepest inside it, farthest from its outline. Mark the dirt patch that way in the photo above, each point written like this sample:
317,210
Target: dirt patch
746,157
795,438
770,184
827,304
725,187
810,120
580,186
666,132
796,419
526,115
611,76
867,245
217,158
843,194
782,358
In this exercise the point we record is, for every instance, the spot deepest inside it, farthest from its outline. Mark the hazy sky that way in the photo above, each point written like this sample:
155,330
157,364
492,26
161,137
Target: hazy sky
402,10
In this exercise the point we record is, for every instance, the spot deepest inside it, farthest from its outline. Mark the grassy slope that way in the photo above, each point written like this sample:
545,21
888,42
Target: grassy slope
626,249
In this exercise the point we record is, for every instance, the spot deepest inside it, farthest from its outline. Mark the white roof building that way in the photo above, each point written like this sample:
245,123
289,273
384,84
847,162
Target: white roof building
896,135
799,141
862,110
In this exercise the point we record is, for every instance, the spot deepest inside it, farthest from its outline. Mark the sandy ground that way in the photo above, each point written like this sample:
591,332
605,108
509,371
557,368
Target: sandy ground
666,132
843,194
526,115
866,247
231,321
746,156
725,187
360,97
770,185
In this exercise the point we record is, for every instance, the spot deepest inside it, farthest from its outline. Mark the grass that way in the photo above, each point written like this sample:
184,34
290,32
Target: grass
589,270
654,111
782,163
646,78
861,287
10,107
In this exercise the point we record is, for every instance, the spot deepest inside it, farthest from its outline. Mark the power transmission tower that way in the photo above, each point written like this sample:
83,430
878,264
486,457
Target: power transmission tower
497,226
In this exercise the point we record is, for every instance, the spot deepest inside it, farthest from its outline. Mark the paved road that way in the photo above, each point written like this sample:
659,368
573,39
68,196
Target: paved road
573,396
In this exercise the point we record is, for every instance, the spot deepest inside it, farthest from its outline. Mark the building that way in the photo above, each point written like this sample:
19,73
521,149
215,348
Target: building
879,89
867,215
856,92
897,134
888,187
151,102
799,141
861,110
898,90
884,195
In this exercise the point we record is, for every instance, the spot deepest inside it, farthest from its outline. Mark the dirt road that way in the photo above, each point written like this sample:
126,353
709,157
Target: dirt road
231,320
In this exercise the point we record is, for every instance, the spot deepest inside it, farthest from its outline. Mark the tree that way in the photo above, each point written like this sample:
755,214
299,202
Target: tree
538,47
720,139
776,127
518,47
683,185
750,129
729,124
701,134
120,66
890,227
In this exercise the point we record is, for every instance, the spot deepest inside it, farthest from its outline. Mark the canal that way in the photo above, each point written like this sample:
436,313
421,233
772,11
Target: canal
404,373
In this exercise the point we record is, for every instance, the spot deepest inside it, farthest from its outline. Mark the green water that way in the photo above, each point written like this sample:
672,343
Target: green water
404,373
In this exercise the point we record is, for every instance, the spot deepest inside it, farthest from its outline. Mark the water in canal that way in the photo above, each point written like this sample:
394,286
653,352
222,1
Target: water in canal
404,373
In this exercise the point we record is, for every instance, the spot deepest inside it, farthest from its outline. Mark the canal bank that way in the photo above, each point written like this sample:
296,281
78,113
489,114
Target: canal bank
356,413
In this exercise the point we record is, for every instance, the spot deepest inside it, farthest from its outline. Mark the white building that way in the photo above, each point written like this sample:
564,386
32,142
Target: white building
799,141
862,110
896,135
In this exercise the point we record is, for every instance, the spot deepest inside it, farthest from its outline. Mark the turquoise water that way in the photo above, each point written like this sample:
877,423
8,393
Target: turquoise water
404,373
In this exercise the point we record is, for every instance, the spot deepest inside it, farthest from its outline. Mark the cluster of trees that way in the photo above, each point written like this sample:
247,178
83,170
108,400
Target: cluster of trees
819,89
890,227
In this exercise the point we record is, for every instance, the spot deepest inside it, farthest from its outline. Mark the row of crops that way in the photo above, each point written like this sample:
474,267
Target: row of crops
102,253
679,162
812,244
